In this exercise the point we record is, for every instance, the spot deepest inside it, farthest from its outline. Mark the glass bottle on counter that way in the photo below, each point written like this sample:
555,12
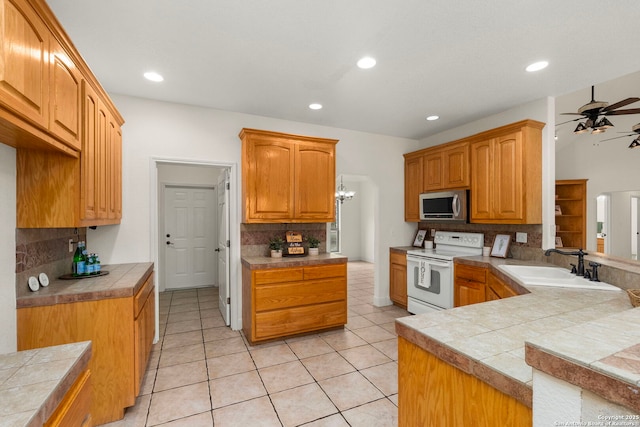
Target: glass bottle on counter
90,265
96,264
78,266
85,257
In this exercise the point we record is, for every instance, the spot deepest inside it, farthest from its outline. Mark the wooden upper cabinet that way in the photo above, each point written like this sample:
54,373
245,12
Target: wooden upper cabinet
455,160
315,181
413,165
287,178
506,175
64,96
443,167
24,50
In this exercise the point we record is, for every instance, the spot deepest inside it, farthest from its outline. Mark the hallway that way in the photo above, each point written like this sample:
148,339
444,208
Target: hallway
202,373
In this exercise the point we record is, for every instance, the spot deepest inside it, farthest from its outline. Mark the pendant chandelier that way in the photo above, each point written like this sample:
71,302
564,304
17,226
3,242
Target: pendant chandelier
342,194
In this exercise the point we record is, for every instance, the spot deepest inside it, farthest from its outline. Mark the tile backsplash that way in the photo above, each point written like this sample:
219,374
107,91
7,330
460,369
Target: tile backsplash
254,238
44,250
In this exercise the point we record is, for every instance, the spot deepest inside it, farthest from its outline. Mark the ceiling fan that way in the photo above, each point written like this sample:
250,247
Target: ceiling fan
594,109
636,142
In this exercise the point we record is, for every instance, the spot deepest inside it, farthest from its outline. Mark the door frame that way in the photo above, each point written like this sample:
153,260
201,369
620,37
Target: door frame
235,288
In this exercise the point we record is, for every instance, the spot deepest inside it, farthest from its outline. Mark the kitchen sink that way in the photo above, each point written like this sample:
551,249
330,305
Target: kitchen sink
552,276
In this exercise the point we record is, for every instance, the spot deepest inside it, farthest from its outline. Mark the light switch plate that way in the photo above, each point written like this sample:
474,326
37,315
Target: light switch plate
521,237
70,245
433,232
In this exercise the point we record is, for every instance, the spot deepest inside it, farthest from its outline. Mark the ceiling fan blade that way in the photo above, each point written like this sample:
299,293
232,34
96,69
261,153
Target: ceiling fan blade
571,114
621,104
569,121
622,112
617,137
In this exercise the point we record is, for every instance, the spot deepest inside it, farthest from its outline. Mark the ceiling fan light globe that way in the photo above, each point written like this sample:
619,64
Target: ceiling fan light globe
581,128
604,123
635,143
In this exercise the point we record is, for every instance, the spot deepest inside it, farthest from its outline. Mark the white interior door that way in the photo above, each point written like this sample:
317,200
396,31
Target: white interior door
223,246
189,237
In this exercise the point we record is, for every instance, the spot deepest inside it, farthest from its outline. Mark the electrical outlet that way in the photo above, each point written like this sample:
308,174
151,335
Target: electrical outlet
433,232
70,245
521,237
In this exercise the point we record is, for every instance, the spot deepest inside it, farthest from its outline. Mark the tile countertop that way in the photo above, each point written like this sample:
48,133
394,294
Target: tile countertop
585,337
263,262
34,382
123,280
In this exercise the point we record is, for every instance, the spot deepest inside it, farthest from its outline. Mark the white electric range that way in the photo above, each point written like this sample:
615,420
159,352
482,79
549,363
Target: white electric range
430,271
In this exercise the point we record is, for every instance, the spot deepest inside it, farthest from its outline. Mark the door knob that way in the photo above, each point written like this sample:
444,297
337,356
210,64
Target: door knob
217,249
169,243
168,235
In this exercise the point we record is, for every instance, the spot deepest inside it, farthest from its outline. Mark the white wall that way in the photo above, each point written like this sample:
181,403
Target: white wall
157,129
609,167
8,335
351,226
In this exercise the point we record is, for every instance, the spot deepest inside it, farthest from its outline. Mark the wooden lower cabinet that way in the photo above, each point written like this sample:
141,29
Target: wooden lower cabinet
469,285
75,408
433,393
398,278
121,331
279,302
473,285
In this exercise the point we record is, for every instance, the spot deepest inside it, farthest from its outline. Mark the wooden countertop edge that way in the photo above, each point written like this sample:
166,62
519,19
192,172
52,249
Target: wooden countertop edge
611,389
507,385
261,263
63,297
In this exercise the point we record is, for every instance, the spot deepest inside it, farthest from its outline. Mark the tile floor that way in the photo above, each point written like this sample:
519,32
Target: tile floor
202,373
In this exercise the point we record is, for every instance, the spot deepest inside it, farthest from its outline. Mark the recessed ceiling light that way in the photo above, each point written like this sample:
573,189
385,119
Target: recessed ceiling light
153,76
315,106
537,66
432,118
366,62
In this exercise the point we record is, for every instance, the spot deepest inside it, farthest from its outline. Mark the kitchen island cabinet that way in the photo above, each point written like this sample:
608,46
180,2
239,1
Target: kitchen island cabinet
59,395
473,365
116,312
287,178
282,298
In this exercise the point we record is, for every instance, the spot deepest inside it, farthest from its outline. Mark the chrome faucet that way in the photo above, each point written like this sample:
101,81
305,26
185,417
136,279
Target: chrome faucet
579,271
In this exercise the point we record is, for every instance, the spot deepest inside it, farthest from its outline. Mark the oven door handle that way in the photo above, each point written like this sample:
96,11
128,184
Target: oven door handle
430,261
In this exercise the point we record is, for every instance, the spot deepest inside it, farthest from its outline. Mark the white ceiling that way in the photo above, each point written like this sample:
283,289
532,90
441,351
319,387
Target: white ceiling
462,60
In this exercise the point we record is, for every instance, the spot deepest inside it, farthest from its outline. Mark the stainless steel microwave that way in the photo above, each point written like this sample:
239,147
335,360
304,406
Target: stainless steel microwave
444,206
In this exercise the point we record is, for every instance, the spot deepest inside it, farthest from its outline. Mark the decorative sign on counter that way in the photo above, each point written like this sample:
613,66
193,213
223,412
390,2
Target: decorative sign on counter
294,246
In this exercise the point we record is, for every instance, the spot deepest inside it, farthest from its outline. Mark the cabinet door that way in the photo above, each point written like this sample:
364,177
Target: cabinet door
314,182
398,283
412,188
455,163
467,292
114,171
481,180
507,180
102,162
64,96
144,331
432,172
24,78
269,185
88,156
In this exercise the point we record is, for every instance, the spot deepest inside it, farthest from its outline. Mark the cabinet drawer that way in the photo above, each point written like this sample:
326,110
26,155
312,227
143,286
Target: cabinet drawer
325,271
474,274
299,293
300,319
397,258
277,275
141,296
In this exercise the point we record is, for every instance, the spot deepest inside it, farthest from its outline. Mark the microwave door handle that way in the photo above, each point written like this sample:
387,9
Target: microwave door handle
455,205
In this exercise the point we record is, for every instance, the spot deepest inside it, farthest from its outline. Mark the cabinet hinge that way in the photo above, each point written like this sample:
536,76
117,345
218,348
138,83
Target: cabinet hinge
228,186
228,300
